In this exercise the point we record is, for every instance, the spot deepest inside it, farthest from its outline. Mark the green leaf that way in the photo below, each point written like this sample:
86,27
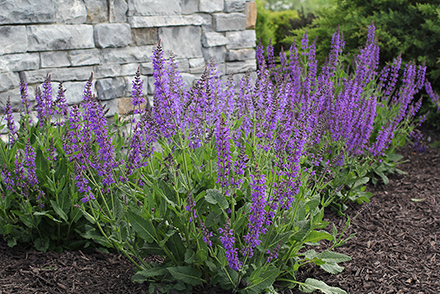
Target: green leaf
201,255
360,182
334,231
394,157
45,213
215,196
314,202
187,274
167,191
211,266
332,268
118,209
42,244
331,256
316,236
12,242
59,211
175,244
228,278
383,177
88,216
303,229
263,281
190,256
142,276
311,285
151,249
142,226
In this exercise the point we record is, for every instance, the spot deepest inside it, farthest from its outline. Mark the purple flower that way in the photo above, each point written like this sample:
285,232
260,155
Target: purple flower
258,216
228,240
274,253
19,170
206,234
44,104
7,178
10,122
223,152
24,97
29,159
137,91
432,95
82,183
61,107
141,144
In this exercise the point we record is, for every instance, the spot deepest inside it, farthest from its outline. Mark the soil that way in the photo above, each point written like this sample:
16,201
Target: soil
396,248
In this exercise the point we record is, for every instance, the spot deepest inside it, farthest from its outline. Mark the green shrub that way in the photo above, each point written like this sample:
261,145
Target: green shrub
274,25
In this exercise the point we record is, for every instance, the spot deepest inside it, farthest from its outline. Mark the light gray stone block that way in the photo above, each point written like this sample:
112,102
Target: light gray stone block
147,68
164,21
19,62
221,68
85,57
13,39
154,7
15,96
118,10
229,22
235,5
127,55
149,81
54,59
110,88
183,41
206,22
112,106
74,91
188,80
129,69
240,55
211,6
196,62
97,11
107,71
59,37
211,39
70,11
182,64
27,11
217,54
8,81
241,66
190,6
144,36
111,35
241,39
58,74
197,70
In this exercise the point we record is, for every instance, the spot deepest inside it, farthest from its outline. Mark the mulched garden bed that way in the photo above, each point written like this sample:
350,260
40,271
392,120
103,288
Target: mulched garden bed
396,248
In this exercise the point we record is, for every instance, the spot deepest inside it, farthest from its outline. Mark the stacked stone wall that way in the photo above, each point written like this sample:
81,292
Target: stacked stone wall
70,39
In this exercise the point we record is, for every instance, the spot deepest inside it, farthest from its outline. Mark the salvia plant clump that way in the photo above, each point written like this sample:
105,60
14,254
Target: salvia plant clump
227,183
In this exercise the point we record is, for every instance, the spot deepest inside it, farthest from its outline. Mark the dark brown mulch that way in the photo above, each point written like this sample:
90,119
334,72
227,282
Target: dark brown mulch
396,249
397,244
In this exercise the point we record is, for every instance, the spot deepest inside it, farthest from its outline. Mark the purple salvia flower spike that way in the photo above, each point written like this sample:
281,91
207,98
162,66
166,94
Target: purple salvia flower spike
10,122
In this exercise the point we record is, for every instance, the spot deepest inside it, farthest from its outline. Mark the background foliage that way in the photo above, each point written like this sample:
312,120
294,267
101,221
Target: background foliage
402,27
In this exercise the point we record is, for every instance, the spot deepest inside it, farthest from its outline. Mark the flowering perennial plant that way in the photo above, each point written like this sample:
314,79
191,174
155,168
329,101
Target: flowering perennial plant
227,182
